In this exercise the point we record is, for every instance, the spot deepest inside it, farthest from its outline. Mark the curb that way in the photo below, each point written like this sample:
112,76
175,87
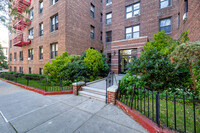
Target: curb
142,120
38,90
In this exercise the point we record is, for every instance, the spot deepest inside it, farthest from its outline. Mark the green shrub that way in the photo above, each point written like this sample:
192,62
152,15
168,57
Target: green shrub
105,69
74,57
93,60
55,68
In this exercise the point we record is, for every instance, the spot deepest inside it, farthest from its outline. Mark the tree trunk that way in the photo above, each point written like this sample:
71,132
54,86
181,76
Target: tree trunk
193,79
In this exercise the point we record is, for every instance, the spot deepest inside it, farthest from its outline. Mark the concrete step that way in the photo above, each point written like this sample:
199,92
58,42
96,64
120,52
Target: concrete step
94,90
92,95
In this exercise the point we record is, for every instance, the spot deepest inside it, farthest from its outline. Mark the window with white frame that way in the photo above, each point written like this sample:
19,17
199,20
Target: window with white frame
41,29
92,32
30,54
21,56
133,32
132,10
166,25
31,14
165,3
92,11
53,2
41,53
31,32
41,71
15,69
108,2
41,7
109,18
54,23
54,50
15,56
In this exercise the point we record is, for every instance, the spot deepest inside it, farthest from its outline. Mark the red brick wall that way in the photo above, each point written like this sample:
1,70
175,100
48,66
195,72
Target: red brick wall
149,19
125,44
73,33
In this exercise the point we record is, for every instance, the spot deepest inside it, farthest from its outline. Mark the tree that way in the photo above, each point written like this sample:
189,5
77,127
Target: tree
189,53
93,60
8,13
3,63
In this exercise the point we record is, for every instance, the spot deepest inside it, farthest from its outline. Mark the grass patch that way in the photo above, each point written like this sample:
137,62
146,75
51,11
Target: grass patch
148,108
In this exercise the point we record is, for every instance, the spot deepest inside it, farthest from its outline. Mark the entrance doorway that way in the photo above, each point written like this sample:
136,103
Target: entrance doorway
125,58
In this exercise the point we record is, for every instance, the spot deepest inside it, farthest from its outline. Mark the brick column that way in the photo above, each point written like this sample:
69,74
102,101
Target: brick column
111,94
76,86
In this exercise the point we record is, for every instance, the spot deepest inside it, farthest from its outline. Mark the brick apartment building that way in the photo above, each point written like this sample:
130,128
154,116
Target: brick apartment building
119,28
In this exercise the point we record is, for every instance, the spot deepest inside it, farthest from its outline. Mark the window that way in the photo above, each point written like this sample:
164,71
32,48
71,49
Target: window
165,25
54,50
109,18
31,32
10,43
15,56
21,56
178,20
10,69
15,69
108,2
133,32
132,10
10,57
101,38
31,14
41,71
41,7
165,3
186,6
21,70
30,54
41,29
92,11
109,36
40,53
92,32
53,2
30,70
54,23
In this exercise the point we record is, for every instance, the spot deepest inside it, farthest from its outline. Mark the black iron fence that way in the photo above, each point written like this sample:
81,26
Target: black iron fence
39,82
175,112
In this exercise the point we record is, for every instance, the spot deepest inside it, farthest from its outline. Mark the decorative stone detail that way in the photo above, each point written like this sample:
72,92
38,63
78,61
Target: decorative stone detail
76,86
111,94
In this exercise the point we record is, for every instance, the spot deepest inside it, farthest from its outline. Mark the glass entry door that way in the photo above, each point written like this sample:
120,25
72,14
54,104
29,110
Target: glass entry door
125,58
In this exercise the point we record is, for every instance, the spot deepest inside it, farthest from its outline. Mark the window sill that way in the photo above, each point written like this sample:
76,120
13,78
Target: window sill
54,32
136,16
40,60
166,7
109,24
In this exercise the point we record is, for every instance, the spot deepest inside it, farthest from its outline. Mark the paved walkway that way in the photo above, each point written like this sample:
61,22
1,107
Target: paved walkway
102,84
30,112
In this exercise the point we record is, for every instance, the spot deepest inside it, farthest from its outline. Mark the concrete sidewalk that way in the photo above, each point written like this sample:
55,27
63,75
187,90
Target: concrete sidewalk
34,113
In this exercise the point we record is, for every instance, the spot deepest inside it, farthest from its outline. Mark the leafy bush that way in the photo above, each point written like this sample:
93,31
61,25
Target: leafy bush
105,69
93,60
161,42
55,68
129,81
189,53
158,72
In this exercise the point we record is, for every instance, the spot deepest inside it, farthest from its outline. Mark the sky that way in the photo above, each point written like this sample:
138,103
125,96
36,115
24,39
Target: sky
3,33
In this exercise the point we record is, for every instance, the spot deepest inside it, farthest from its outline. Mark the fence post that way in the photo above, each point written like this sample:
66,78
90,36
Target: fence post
157,109
106,90
45,84
132,98
60,85
27,81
